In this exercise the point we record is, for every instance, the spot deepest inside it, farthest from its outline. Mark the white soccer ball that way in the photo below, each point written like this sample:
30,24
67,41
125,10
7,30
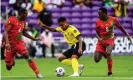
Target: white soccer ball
60,71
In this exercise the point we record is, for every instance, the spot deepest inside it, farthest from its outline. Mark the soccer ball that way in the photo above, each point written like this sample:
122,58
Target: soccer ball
60,71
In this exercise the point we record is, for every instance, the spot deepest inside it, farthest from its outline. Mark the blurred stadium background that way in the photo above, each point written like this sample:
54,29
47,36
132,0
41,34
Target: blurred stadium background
80,13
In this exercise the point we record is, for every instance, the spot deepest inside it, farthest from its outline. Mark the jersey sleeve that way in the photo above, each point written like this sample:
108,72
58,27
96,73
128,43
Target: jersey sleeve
75,32
116,22
58,29
9,22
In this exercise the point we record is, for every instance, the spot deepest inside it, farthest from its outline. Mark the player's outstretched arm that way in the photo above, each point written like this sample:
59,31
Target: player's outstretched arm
117,23
125,32
46,27
29,36
25,33
7,44
8,26
80,43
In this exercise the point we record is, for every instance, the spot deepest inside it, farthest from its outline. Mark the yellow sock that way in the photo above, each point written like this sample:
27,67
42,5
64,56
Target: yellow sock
75,65
67,62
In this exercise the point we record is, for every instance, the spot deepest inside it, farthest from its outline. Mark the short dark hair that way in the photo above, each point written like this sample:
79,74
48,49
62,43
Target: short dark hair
103,9
21,11
61,19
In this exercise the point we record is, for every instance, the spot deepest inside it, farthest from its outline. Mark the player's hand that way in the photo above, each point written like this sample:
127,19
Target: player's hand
80,50
7,46
37,39
129,38
40,23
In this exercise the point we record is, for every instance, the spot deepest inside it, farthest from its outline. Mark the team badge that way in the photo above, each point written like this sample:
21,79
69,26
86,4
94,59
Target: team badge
75,31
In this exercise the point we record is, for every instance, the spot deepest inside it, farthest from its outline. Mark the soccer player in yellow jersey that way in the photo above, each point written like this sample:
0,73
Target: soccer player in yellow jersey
73,37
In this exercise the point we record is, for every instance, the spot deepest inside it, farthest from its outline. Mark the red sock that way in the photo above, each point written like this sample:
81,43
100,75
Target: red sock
109,62
32,64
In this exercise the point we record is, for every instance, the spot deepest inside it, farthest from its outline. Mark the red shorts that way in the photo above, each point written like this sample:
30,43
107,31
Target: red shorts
17,48
101,48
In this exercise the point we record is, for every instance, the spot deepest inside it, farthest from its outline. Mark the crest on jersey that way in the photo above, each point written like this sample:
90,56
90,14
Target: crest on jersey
75,31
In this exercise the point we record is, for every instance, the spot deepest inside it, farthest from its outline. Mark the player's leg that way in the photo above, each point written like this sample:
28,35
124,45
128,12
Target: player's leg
75,65
99,52
53,50
97,56
65,57
109,49
9,59
21,49
81,66
77,68
32,64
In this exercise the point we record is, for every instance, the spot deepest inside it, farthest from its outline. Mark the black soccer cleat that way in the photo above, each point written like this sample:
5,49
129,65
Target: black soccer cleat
109,74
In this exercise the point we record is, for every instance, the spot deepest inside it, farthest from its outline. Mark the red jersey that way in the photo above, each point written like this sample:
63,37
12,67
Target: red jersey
105,29
15,33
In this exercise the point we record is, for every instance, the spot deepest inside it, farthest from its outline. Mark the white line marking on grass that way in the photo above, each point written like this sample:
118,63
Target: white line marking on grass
129,78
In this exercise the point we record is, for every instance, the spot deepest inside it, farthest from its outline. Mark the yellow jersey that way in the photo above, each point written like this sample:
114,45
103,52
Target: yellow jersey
69,34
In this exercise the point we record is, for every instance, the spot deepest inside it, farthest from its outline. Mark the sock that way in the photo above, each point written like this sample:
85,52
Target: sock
75,65
67,62
109,62
32,64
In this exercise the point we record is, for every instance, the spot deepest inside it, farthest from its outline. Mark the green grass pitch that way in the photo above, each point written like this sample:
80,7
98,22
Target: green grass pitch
122,69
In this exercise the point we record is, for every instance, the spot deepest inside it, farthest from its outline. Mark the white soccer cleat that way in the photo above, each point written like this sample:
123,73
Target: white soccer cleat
39,76
74,75
80,67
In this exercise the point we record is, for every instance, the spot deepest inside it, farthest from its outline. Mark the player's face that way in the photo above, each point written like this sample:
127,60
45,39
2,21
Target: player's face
63,25
23,16
101,14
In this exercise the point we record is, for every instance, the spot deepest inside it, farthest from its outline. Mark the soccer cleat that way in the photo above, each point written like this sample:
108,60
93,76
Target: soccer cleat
39,76
109,74
74,75
80,67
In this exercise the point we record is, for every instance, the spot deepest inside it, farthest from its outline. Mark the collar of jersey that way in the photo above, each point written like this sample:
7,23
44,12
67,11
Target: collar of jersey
106,20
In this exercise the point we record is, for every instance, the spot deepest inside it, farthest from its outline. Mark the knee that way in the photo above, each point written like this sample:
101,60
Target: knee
96,60
8,67
97,57
74,56
60,59
26,56
109,56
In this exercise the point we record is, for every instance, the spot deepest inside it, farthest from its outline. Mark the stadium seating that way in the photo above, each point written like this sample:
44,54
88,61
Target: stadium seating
83,18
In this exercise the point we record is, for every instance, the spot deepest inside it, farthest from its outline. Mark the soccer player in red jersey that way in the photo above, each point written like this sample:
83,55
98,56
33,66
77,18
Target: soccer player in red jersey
15,27
105,34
